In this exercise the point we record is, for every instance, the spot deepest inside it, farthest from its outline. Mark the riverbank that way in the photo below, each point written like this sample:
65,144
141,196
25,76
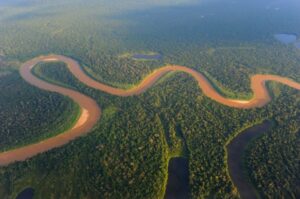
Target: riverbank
91,112
235,151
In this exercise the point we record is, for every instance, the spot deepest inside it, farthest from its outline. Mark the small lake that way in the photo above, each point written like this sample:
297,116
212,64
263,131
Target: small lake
297,44
147,57
178,179
26,194
286,38
235,150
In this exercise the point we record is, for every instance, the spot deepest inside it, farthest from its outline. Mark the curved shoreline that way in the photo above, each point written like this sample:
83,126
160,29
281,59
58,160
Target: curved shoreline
235,151
91,112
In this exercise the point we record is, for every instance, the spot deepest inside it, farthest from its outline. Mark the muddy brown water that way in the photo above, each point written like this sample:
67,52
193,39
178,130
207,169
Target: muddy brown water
261,95
236,149
91,112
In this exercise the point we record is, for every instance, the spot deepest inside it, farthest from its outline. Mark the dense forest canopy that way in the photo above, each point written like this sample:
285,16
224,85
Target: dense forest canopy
228,41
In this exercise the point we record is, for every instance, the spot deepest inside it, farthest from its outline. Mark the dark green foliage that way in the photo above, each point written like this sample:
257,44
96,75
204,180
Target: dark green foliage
28,114
126,154
205,130
273,160
133,139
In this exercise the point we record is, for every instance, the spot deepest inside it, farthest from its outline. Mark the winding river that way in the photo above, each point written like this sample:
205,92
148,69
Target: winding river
91,112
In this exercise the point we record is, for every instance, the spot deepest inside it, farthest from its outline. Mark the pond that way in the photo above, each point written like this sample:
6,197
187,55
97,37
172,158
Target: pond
178,179
297,44
286,38
26,194
147,57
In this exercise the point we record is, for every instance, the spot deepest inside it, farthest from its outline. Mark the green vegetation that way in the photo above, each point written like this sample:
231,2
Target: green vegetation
34,115
126,155
226,92
167,108
274,158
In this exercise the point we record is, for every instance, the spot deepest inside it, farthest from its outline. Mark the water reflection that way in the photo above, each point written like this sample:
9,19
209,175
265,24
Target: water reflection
147,57
235,159
178,179
26,194
286,38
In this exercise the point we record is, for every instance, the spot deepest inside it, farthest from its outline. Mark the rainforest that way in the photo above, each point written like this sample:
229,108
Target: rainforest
149,99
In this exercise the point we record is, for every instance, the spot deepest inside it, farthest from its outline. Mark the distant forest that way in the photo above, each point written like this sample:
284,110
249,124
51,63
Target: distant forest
127,153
